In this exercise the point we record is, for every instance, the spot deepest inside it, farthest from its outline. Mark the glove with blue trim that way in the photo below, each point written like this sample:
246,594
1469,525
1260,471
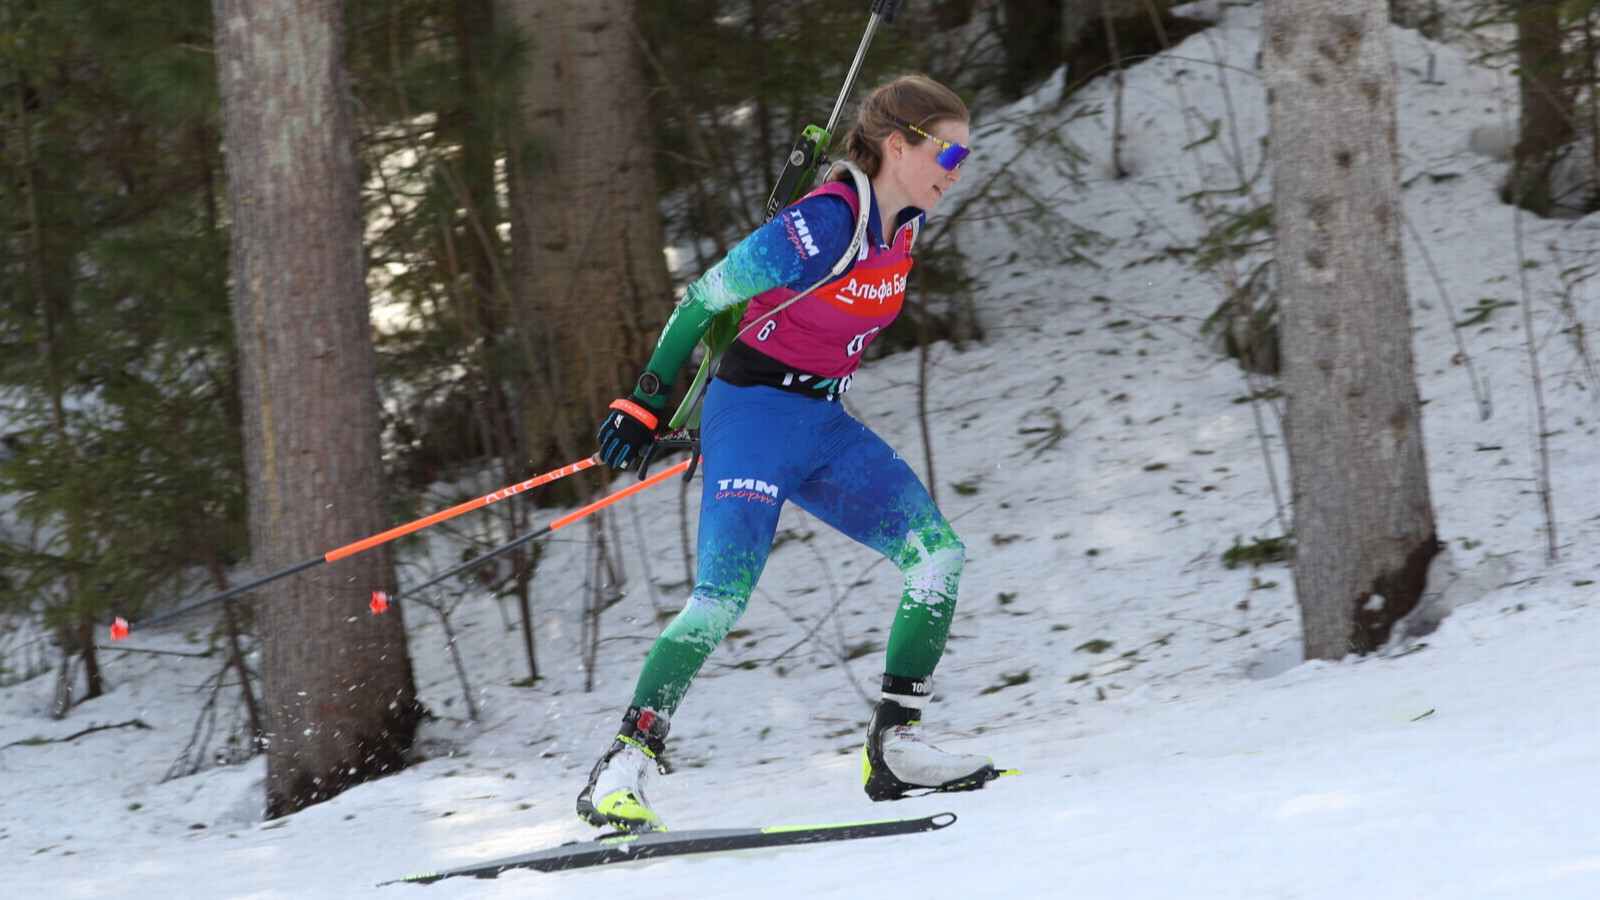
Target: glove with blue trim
631,425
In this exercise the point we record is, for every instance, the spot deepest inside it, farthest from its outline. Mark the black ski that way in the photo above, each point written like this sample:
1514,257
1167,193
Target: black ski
618,848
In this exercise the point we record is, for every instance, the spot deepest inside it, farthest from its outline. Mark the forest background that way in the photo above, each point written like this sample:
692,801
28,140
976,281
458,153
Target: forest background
482,179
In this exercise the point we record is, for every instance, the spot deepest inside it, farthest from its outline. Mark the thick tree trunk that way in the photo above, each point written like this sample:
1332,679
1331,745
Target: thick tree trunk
1364,531
590,282
1546,123
339,701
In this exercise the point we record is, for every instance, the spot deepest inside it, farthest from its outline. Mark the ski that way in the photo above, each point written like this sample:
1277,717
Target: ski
617,848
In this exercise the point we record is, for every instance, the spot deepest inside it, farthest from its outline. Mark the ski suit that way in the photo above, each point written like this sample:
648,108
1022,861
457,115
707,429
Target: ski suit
771,433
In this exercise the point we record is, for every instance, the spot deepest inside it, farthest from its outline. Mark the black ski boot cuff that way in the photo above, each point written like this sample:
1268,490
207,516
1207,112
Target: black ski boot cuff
886,715
900,686
646,728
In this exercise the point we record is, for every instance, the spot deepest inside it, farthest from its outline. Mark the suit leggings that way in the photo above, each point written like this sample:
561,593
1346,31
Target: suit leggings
764,447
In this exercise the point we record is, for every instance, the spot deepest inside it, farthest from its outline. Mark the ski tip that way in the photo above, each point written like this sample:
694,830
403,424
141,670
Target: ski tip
942,820
412,879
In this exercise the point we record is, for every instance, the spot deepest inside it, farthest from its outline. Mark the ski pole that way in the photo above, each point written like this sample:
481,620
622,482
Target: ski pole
120,626
382,599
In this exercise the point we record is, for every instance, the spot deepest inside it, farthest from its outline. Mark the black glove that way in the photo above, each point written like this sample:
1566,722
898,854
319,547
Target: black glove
630,427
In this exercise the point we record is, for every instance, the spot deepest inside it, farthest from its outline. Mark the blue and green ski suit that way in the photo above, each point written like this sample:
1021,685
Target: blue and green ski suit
771,433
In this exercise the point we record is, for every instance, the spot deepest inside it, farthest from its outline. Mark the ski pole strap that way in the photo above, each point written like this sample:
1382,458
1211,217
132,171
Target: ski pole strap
638,412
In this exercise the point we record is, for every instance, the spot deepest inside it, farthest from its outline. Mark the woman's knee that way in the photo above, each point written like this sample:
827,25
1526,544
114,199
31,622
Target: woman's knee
944,562
932,543
933,559
706,619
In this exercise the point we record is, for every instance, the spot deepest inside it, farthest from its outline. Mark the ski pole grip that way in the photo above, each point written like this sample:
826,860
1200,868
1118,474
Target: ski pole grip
886,9
669,444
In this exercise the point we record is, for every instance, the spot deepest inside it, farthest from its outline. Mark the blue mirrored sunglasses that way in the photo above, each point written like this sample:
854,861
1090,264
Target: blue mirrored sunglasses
951,154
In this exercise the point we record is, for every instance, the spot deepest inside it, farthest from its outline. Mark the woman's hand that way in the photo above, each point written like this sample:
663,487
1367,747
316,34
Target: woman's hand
630,427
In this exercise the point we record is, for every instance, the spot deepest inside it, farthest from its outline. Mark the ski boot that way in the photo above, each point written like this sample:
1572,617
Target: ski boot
615,794
897,762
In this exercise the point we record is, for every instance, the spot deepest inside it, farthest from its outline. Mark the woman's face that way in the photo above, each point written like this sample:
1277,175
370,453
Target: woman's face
914,168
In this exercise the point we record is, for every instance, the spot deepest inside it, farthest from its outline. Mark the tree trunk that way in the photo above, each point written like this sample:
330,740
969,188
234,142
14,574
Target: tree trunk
1098,34
590,282
1032,41
1364,531
339,702
471,254
1546,123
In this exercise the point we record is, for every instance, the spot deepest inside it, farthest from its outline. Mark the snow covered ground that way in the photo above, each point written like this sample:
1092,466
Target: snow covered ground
1172,744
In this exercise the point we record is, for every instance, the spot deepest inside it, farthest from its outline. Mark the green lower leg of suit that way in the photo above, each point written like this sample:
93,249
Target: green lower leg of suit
931,563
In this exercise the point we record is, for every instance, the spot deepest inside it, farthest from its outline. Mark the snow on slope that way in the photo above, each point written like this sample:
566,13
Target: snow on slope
1171,743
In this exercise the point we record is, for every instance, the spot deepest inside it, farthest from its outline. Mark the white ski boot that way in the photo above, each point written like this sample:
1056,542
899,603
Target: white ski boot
896,761
615,794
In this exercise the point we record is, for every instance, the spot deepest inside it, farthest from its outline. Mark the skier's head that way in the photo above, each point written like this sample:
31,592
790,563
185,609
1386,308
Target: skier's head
908,110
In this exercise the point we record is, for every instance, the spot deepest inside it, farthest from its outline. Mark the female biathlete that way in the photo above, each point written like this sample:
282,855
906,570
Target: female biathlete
772,432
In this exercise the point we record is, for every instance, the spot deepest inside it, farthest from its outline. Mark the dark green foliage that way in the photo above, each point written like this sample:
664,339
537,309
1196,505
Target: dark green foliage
115,345
1244,326
1257,553
1479,313
1006,681
731,86
118,393
1236,252
435,87
731,93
